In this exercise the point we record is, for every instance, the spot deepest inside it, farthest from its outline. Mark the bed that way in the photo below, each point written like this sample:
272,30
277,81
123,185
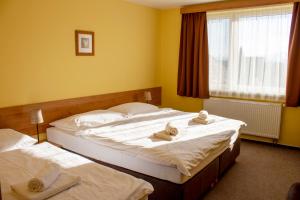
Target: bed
97,181
176,178
11,139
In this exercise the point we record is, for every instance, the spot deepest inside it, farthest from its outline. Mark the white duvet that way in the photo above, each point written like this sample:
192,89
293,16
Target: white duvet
135,136
97,181
11,139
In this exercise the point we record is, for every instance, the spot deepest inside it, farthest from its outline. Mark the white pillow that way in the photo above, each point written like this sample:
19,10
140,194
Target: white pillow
87,120
11,139
134,108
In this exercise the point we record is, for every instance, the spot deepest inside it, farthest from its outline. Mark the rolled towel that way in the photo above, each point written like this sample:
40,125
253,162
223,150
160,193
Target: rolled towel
166,136
62,183
171,129
203,121
203,114
44,178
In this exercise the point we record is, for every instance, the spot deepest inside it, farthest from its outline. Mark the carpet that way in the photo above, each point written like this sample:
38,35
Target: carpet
261,172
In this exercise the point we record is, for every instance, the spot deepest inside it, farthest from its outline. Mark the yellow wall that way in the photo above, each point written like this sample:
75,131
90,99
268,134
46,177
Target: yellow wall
170,22
37,54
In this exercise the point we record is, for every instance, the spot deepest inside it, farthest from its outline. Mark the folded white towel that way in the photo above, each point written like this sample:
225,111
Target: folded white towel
171,129
203,121
166,136
203,114
44,178
62,183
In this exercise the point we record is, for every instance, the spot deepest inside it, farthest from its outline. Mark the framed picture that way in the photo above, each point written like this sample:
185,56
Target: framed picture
84,43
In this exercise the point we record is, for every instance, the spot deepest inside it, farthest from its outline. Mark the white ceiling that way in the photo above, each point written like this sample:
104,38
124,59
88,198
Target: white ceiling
164,4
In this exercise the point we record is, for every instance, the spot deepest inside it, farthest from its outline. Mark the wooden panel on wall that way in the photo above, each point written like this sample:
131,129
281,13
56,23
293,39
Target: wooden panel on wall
223,5
18,117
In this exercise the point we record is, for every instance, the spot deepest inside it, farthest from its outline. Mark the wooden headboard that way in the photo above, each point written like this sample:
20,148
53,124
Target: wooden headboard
18,117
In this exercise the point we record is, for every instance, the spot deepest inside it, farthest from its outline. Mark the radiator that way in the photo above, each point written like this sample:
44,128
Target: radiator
263,119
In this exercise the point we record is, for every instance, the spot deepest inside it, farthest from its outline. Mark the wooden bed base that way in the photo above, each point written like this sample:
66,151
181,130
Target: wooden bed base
194,188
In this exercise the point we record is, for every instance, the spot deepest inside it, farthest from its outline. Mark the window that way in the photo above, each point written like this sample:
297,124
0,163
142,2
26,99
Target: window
248,52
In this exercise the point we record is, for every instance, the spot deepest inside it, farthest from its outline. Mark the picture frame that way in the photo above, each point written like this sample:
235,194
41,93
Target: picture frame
84,43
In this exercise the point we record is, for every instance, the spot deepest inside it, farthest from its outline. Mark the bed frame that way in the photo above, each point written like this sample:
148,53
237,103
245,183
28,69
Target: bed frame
18,118
196,187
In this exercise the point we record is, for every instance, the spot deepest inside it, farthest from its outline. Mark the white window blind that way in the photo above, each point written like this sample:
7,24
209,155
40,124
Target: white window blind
248,52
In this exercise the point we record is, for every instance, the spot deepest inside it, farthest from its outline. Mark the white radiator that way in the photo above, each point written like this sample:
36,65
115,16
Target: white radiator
263,119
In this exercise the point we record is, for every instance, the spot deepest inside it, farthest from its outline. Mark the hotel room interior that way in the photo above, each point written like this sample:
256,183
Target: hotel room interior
150,99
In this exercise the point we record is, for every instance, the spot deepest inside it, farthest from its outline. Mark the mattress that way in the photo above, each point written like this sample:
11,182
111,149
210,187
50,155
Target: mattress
123,159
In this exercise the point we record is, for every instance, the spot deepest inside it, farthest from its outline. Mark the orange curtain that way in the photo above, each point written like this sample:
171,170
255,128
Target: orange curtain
193,57
293,78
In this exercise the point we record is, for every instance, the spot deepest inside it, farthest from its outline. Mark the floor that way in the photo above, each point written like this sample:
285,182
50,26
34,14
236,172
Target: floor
261,172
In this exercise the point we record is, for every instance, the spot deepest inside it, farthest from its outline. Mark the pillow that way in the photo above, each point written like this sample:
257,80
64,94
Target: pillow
11,139
87,120
134,108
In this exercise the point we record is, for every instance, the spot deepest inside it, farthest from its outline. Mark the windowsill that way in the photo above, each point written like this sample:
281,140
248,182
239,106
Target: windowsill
250,99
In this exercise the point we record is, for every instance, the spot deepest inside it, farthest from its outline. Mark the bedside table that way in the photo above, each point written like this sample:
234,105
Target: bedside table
43,137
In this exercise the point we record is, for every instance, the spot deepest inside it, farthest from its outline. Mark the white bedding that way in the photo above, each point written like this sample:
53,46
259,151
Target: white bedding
121,158
11,139
97,181
134,136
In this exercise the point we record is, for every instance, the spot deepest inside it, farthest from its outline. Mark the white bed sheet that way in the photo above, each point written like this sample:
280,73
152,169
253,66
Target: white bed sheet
122,158
97,181
193,144
11,139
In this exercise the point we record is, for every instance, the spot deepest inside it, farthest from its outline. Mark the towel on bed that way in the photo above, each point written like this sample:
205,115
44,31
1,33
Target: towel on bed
203,121
166,136
44,178
171,129
62,183
203,118
203,114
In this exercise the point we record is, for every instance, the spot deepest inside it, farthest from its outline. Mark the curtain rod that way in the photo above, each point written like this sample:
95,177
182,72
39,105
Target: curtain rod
230,4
